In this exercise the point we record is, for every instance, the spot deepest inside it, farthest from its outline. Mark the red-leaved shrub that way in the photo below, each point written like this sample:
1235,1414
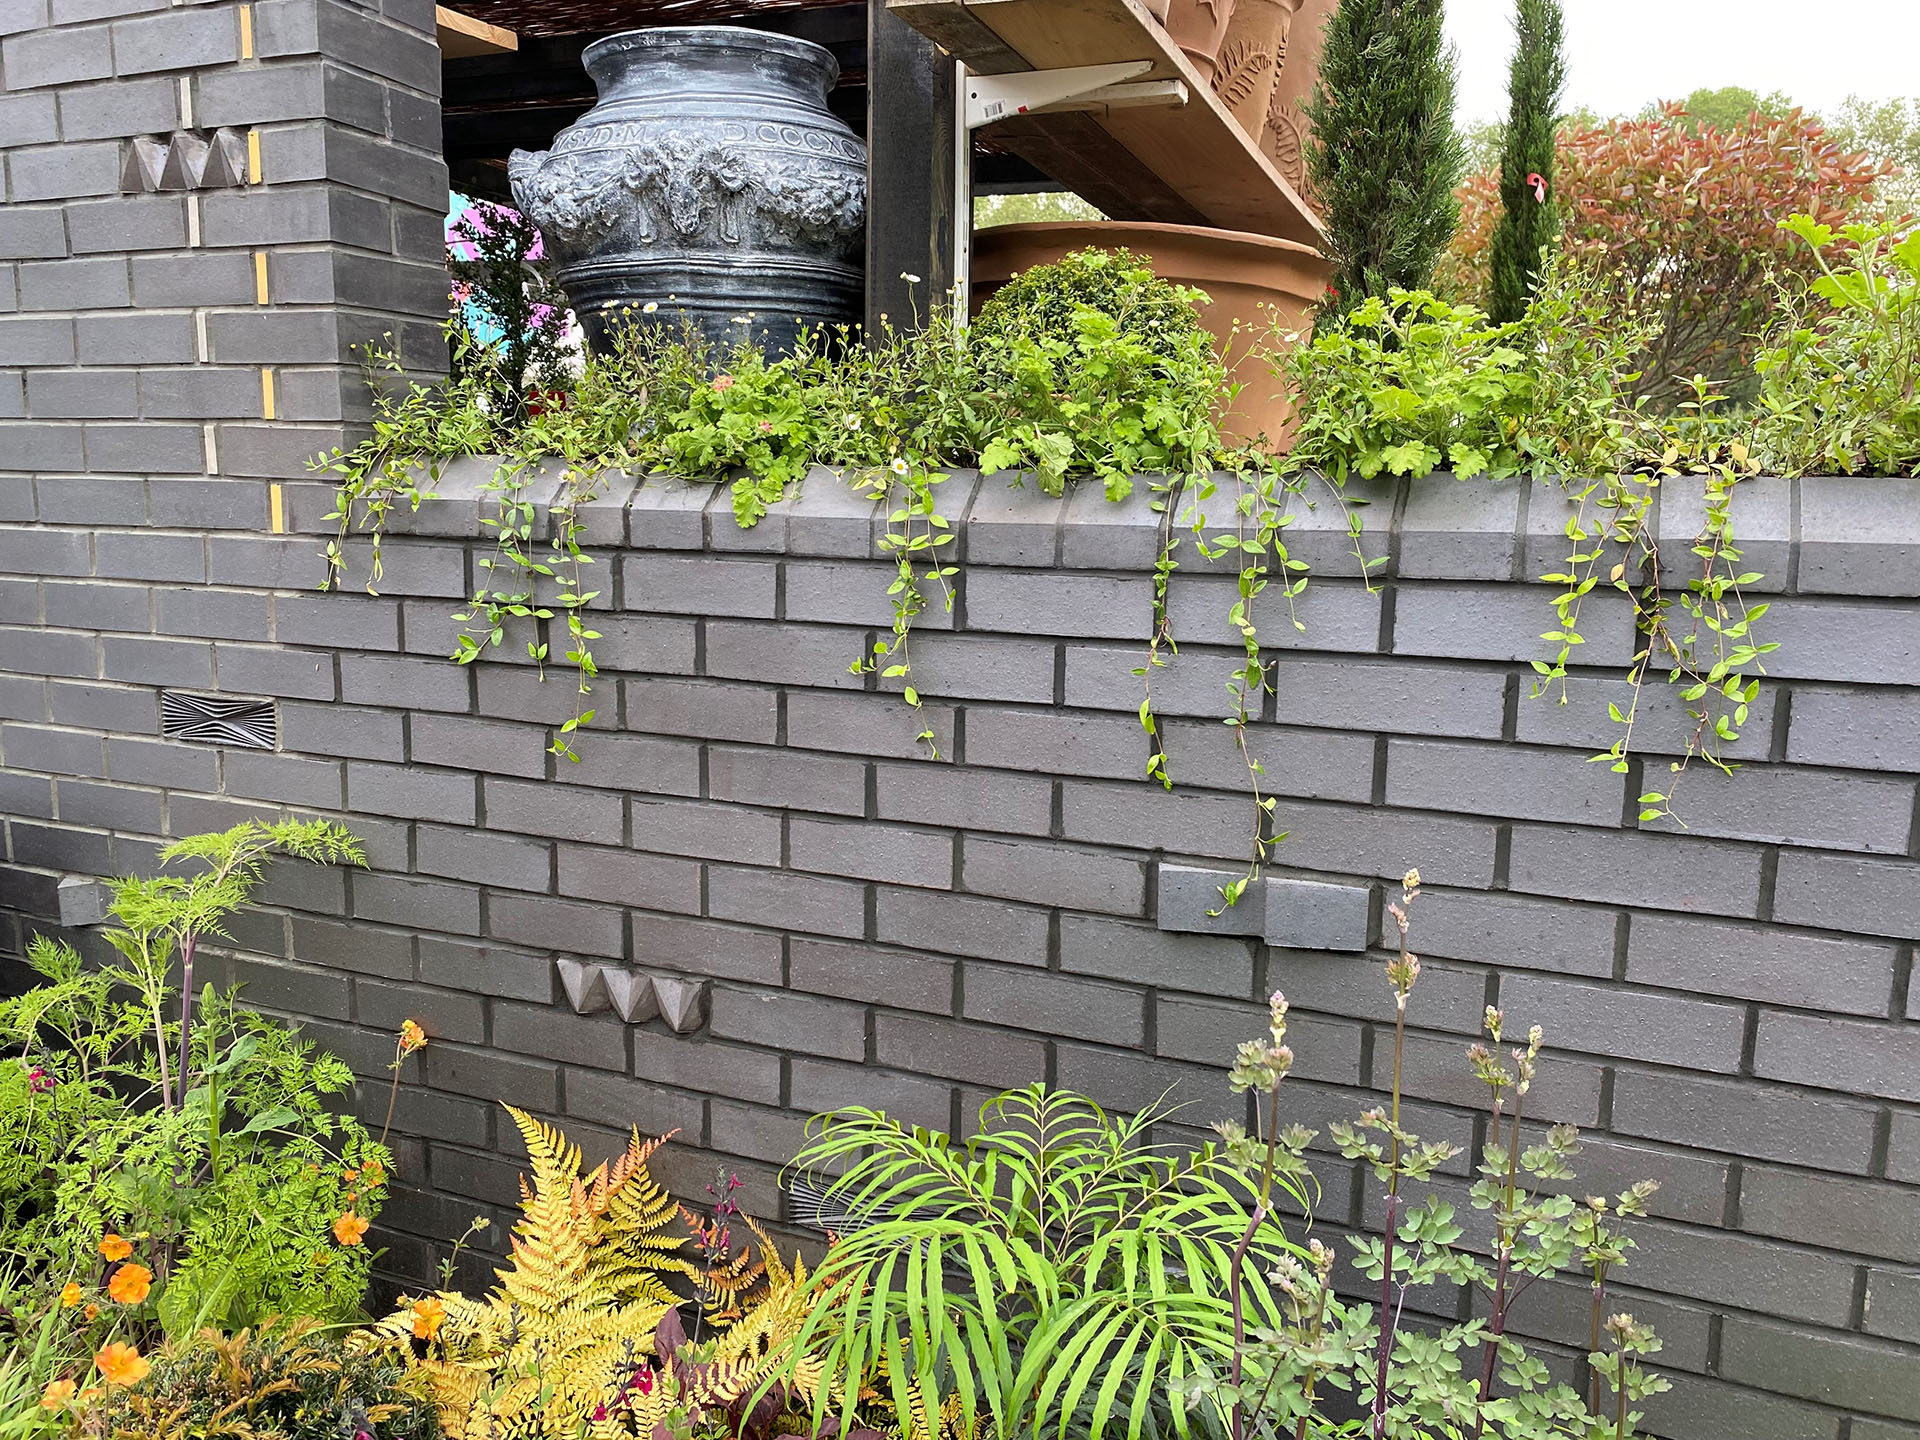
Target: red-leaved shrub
1682,227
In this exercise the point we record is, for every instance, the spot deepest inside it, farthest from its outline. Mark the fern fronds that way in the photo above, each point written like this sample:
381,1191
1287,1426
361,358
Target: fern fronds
568,1345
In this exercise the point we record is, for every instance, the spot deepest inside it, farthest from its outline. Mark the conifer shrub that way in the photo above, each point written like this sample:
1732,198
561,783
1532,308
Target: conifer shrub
1529,206
1384,157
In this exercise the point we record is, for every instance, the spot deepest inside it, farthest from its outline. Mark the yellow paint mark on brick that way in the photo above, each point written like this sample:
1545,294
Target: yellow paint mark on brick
266,393
277,508
260,277
246,32
253,157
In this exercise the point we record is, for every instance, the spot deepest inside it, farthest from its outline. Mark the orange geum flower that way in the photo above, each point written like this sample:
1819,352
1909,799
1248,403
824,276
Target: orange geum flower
122,1364
350,1228
57,1395
114,1248
130,1284
428,1316
71,1294
91,1312
412,1037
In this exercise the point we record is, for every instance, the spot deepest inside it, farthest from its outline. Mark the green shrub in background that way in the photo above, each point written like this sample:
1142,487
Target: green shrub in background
1410,383
1045,301
1840,370
1097,363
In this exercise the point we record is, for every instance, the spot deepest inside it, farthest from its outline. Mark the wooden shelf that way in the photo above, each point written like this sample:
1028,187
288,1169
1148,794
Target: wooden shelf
1187,164
462,36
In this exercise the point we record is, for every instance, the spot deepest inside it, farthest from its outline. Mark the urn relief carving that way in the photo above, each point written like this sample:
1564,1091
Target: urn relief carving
710,181
1252,59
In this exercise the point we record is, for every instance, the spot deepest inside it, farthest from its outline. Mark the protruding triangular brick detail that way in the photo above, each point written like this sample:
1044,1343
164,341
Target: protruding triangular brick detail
683,1003
186,161
586,986
226,165
140,172
631,993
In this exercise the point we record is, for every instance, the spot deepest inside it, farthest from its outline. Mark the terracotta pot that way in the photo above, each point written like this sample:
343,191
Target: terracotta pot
1199,27
1251,57
1283,137
1254,279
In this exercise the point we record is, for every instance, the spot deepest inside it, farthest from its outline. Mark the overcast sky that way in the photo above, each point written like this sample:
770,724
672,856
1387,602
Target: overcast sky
1624,53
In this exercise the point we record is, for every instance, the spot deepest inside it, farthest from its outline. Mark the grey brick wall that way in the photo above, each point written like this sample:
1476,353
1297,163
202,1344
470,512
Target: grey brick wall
208,330
1730,1009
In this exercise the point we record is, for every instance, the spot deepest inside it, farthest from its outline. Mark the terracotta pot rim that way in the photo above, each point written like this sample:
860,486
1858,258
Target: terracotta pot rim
1198,252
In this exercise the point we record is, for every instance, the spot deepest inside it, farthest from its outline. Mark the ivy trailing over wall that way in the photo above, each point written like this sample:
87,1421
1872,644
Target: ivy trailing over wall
1093,367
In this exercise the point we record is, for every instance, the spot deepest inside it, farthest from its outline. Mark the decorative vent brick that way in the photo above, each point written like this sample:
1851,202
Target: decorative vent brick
218,720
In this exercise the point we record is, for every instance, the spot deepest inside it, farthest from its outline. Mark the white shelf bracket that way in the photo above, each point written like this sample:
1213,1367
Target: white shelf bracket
995,97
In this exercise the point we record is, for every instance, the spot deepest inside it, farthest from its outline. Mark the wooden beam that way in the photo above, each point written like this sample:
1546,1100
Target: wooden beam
954,29
1203,165
1081,157
462,35
912,120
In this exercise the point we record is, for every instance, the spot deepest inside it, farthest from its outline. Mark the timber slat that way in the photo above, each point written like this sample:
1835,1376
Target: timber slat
1187,164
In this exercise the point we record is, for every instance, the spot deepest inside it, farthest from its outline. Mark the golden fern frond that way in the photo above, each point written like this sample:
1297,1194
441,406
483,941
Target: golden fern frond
622,1276
572,1323
555,1159
917,1404
551,1243
778,1276
636,1207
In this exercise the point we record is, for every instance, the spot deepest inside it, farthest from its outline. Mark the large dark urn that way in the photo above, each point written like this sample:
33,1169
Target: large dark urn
710,182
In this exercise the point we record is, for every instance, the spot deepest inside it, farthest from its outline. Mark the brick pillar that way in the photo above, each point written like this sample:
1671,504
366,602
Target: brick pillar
207,207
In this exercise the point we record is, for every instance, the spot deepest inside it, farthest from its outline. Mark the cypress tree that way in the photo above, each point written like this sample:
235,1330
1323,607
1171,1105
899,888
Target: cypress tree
1385,156
1529,218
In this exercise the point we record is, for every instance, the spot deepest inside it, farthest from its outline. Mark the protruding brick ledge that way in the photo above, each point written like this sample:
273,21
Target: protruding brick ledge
1811,536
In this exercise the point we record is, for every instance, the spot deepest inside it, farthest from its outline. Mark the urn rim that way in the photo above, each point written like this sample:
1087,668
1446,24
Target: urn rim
739,39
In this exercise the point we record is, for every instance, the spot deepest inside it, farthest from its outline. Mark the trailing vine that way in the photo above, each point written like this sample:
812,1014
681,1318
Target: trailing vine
578,486
414,425
1094,368
915,535
493,607
1711,655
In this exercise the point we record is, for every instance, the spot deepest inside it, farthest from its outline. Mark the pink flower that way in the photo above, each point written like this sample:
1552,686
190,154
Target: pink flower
1539,184
722,382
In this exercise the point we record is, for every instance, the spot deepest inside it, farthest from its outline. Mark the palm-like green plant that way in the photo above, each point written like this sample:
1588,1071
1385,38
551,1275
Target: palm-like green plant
1053,1270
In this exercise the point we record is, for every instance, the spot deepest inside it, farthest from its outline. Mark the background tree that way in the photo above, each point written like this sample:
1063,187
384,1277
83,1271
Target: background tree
1889,131
1529,204
1724,109
1385,156
1033,207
